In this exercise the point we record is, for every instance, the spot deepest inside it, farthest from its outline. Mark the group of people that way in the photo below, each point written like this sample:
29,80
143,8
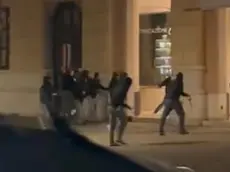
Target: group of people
80,96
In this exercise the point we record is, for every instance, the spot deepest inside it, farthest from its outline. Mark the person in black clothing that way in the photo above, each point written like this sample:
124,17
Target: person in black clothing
46,91
78,95
165,84
67,81
96,93
113,81
117,109
78,90
96,85
171,102
68,107
85,82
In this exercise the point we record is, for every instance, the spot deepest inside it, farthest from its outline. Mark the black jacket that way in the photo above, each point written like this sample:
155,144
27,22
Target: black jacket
119,92
175,89
78,90
67,82
165,83
95,86
86,86
46,91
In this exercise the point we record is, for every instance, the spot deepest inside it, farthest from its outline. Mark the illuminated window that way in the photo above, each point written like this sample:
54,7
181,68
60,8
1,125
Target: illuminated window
4,38
155,49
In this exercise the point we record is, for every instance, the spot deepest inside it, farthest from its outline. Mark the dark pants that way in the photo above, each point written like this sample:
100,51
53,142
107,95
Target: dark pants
170,105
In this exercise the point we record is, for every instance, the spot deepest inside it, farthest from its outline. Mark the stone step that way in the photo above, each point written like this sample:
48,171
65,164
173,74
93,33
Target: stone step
216,123
17,120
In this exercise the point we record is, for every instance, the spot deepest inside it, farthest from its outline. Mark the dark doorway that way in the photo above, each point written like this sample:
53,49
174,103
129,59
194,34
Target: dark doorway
67,36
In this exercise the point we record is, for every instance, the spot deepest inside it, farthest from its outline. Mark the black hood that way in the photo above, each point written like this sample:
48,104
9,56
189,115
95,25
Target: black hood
180,76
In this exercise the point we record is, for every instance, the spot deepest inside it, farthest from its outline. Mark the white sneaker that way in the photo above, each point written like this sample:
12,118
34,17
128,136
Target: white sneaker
108,127
73,112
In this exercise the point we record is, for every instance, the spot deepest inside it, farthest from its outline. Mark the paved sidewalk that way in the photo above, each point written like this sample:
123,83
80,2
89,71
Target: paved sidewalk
205,149
147,134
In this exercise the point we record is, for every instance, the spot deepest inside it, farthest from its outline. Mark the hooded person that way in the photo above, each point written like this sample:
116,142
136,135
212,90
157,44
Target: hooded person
172,102
46,91
99,98
85,82
113,81
117,109
68,107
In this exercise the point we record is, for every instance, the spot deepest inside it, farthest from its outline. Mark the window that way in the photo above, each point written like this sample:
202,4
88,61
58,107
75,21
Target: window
4,38
155,49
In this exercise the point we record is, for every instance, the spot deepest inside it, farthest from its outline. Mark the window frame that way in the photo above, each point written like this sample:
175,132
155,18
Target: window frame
5,28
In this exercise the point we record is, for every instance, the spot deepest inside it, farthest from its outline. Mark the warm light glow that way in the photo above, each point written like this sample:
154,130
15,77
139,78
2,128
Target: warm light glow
154,6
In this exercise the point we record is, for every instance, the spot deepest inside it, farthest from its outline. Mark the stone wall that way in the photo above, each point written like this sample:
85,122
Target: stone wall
199,51
19,85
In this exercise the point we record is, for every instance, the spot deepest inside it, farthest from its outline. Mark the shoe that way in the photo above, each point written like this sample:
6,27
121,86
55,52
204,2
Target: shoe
121,142
184,132
108,127
114,144
162,133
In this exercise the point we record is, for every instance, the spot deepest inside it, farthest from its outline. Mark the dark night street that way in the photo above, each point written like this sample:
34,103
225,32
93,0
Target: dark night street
205,149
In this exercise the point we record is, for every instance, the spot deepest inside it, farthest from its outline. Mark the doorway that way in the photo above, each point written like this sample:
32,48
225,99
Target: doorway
67,36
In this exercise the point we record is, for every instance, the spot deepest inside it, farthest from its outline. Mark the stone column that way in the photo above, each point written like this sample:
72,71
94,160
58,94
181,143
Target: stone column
227,42
216,53
132,56
188,55
118,34
96,36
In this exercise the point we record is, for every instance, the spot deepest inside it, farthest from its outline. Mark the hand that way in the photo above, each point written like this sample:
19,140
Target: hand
189,98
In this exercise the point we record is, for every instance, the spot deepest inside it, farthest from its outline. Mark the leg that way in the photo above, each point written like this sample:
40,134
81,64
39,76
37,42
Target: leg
123,121
166,112
112,125
45,120
40,118
181,114
94,108
86,106
158,107
78,111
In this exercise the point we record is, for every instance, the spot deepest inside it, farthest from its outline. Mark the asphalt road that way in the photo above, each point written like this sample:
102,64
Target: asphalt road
23,149
204,150
201,156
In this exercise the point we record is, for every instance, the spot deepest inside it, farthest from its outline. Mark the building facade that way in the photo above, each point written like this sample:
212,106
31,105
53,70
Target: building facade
109,43
109,40
200,50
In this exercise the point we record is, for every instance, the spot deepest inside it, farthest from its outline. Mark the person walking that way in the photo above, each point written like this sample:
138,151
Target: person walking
117,109
113,82
172,102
